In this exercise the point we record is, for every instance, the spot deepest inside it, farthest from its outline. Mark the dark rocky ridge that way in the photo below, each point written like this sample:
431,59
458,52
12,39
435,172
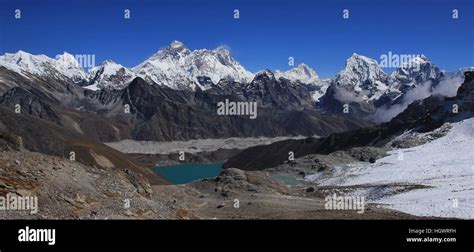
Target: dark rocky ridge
185,115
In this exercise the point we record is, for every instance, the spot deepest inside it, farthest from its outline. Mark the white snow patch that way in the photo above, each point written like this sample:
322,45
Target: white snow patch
446,164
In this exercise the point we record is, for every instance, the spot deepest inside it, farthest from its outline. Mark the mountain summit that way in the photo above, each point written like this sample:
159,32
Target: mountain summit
179,68
302,73
109,75
363,76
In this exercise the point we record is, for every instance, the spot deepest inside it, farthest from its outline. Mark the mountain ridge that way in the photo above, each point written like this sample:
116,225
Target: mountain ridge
175,66
361,87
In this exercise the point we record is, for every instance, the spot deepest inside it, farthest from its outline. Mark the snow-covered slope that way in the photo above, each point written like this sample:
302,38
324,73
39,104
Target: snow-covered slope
445,164
109,75
179,68
64,66
320,89
217,64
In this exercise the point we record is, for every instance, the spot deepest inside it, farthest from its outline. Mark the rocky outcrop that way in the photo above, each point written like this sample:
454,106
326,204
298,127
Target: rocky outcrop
235,181
139,182
67,189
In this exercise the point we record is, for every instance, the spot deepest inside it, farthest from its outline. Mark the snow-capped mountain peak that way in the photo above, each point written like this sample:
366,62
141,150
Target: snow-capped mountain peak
216,64
63,66
302,73
415,63
222,50
179,68
423,57
173,52
109,75
23,62
224,56
265,74
70,67
305,74
363,76
67,59
177,44
412,73
362,68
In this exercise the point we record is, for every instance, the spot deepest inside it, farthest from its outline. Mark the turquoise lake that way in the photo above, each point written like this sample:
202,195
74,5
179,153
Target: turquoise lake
185,173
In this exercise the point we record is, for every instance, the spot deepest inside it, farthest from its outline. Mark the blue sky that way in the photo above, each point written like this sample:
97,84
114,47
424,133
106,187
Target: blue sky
267,33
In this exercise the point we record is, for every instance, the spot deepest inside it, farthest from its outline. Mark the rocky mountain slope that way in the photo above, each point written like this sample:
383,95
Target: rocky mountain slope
190,115
68,189
23,131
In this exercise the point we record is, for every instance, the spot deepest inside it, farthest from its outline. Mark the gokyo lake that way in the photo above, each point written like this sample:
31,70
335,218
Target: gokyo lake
185,173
